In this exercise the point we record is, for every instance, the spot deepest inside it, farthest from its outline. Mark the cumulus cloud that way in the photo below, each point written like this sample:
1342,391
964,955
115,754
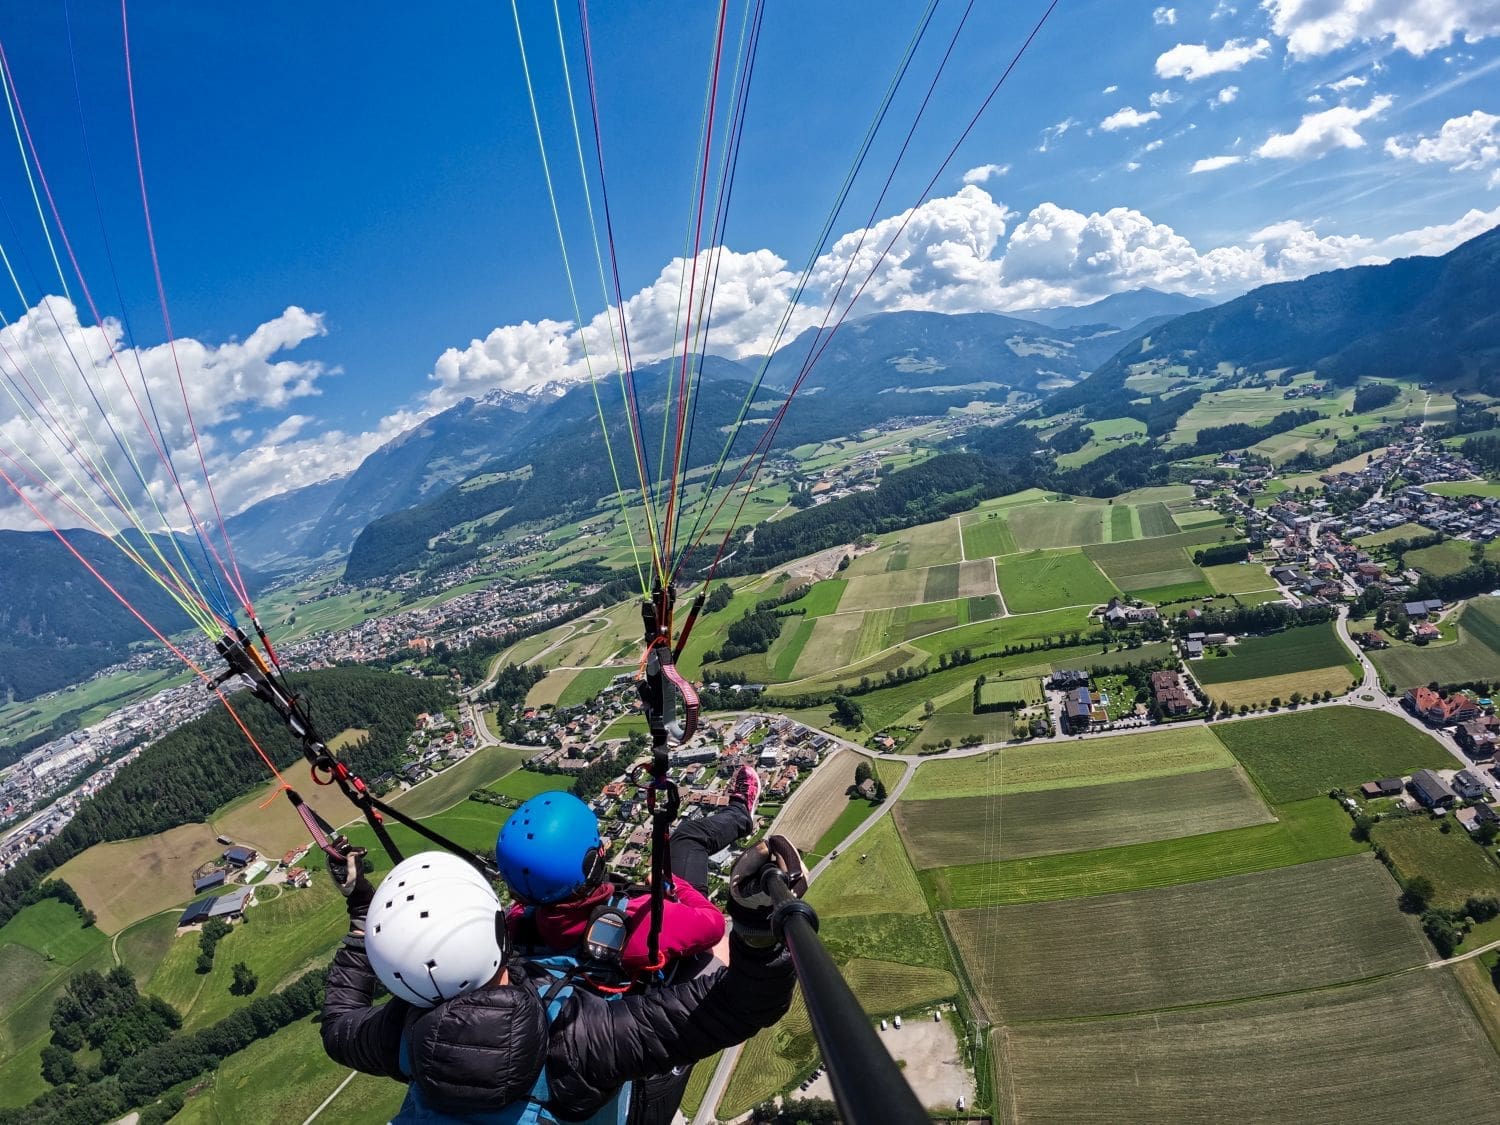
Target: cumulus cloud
1317,27
1352,82
1127,118
1226,95
1322,133
985,172
1164,17
67,364
1163,97
1198,60
1110,89
1213,164
1152,146
1471,142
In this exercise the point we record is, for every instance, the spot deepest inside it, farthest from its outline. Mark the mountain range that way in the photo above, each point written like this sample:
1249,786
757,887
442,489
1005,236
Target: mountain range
522,458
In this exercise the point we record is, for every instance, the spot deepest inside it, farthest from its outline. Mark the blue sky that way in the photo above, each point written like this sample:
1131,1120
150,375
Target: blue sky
376,171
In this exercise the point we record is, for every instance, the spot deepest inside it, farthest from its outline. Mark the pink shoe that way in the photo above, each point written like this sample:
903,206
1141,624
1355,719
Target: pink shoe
745,786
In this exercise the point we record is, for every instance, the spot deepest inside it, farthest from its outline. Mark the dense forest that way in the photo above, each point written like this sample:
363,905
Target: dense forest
206,763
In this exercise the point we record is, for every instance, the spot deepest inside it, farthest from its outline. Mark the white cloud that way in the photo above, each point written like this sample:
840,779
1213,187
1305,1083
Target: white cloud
1152,146
1163,97
1465,143
1053,133
285,430
1223,10
985,172
1352,82
1213,164
1226,95
1132,165
226,383
1197,60
1322,133
1110,89
1164,17
1127,118
1317,27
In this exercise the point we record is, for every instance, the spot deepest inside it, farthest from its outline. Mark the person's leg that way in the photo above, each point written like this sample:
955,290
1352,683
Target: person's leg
693,841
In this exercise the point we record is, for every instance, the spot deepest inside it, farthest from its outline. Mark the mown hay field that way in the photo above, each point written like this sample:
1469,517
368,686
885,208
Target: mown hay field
987,534
1068,524
883,591
1059,765
1327,1055
1306,753
1475,655
1458,865
127,880
449,788
965,830
1263,692
1238,578
1294,928
40,948
819,800
1300,649
1304,832
1441,559
1147,564
1051,579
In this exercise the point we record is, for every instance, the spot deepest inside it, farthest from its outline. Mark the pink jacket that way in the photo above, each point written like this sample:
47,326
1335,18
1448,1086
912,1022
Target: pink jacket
690,924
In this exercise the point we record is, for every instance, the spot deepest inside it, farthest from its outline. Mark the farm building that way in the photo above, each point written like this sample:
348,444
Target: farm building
1065,678
208,880
1431,790
227,906
1385,787
1419,611
298,877
1469,818
240,856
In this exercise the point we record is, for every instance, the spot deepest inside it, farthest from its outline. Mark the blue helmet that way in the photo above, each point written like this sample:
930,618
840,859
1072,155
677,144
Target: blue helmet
549,850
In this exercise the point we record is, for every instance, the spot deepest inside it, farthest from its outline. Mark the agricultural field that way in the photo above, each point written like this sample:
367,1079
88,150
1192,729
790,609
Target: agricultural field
546,691
966,830
1302,1057
1284,930
1238,578
1483,489
1262,692
1304,831
1044,580
1148,565
264,820
583,687
1390,535
819,801
1306,753
450,787
1445,558
522,785
1301,649
127,880
1071,523
987,534
857,810
1069,765
1475,655
93,700
1248,405
40,948
1108,434
1457,865
285,1077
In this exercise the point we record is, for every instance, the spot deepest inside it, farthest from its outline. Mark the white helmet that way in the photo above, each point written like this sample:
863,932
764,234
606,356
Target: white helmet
435,929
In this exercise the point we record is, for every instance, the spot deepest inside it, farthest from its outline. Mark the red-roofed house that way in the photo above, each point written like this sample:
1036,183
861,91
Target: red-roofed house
1437,710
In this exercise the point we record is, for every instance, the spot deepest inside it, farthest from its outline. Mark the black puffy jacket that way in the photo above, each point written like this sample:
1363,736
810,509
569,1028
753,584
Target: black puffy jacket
484,1050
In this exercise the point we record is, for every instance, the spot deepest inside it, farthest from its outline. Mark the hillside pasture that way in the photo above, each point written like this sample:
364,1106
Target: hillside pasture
1482,489
443,791
1069,765
127,880
587,684
964,830
1475,655
1247,405
833,643
987,534
1071,523
1390,535
1225,939
1304,754
1300,649
40,948
1302,1057
1044,580
884,591
262,819
1304,831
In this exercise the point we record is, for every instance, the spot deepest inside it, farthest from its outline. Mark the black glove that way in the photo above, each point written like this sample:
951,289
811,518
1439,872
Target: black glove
348,873
750,906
